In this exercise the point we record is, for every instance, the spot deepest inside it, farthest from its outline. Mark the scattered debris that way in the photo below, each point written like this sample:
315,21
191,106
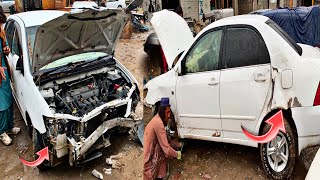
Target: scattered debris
96,174
107,171
24,151
114,161
206,176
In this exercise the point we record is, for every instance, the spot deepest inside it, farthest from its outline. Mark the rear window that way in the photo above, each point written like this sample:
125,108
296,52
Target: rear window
285,36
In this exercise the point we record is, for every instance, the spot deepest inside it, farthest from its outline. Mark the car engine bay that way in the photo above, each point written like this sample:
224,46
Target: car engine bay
79,97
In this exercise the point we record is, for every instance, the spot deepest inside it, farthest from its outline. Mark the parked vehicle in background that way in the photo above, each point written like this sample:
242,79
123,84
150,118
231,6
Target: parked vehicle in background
79,6
116,4
223,81
5,4
71,91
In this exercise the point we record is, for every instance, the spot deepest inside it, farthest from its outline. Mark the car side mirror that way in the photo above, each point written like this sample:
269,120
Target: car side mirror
19,66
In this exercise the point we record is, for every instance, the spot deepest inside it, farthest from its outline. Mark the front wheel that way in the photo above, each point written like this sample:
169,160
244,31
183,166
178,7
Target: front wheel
279,155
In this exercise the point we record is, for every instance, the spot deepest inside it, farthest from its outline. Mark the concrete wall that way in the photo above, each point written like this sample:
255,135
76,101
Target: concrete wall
191,8
245,6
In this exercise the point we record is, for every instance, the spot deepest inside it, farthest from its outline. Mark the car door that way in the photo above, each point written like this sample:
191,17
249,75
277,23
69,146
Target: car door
245,80
15,59
197,89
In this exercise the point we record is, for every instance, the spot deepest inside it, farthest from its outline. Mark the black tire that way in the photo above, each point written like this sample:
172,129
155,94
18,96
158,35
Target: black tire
290,145
38,144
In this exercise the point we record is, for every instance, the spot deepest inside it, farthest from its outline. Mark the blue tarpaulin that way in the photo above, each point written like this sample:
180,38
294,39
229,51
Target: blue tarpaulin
301,23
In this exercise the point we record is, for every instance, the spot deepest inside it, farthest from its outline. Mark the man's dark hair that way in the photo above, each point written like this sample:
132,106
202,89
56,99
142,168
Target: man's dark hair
3,17
162,112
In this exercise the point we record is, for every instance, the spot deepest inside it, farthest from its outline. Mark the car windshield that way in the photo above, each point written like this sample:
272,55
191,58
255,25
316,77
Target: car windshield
31,32
73,59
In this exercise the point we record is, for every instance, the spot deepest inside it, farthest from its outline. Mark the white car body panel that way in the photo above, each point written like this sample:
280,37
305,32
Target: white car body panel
271,95
172,43
206,120
115,4
5,4
57,39
234,112
314,170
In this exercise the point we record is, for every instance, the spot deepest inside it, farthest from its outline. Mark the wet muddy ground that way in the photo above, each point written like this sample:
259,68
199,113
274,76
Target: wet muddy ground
130,53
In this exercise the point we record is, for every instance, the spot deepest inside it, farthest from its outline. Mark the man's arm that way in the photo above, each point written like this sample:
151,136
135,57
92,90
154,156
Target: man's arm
169,152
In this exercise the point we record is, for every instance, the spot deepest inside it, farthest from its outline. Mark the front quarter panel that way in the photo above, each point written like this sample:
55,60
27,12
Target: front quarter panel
162,86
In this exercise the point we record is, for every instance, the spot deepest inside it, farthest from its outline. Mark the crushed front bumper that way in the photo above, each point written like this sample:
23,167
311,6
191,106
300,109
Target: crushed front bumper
78,149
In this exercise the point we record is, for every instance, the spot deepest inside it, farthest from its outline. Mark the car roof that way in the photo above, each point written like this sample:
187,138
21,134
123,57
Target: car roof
241,19
36,18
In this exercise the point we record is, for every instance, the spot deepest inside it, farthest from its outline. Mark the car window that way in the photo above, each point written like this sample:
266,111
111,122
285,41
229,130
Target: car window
244,47
31,34
15,43
204,56
9,32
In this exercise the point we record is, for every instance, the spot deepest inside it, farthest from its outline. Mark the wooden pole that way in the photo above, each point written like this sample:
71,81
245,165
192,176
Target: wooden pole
312,2
291,3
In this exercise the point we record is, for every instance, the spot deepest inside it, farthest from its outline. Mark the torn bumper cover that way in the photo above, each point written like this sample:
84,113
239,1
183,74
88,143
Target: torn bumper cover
78,149
79,137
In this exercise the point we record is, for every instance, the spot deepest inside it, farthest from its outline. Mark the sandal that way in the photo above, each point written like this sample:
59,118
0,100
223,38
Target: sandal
5,139
14,131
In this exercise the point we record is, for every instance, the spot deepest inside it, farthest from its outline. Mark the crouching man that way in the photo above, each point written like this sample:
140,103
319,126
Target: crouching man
156,146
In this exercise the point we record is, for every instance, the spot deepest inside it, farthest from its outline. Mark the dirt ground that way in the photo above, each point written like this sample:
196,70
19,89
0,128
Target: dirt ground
130,53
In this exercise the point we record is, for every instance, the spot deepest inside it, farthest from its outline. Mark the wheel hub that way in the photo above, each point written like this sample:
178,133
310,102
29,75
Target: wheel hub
278,152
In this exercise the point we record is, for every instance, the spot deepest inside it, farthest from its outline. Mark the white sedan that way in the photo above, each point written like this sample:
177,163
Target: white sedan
5,4
70,89
116,4
239,71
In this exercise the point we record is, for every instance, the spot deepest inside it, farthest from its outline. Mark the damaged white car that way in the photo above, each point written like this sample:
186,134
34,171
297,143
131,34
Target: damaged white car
239,71
71,91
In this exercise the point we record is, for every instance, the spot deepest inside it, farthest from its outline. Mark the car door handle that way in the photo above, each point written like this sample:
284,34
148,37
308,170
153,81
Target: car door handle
213,82
260,78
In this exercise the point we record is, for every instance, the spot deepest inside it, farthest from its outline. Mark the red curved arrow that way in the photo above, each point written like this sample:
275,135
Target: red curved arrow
43,155
276,123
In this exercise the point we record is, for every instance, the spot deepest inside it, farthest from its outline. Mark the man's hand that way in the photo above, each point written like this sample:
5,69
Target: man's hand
6,50
179,155
2,73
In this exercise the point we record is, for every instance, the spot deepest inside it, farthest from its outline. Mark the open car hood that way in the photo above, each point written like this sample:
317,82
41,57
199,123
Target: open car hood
71,34
173,33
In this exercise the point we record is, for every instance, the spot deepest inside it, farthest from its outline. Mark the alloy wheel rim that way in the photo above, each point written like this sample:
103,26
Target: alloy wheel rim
278,152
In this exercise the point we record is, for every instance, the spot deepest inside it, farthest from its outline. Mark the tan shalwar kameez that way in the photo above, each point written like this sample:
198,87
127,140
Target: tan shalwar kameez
156,150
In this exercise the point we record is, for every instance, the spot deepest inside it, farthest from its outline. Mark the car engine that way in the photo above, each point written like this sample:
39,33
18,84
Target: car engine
82,96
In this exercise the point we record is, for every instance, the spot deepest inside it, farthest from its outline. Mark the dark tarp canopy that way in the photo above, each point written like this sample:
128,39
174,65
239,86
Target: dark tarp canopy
301,23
